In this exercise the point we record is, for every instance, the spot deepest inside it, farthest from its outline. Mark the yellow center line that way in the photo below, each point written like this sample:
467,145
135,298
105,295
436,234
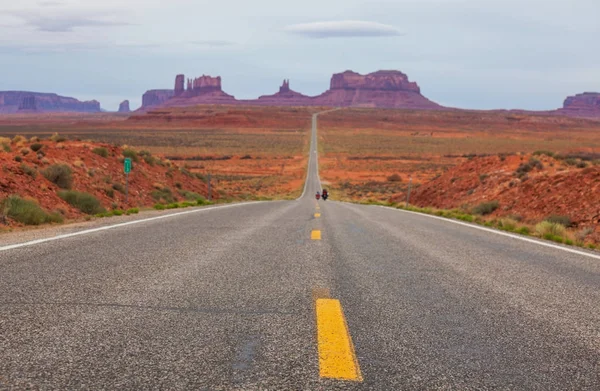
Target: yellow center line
317,214
337,358
315,235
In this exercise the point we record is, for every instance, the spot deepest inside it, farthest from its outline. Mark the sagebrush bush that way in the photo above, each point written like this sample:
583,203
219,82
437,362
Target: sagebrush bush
100,151
119,187
32,172
59,174
130,153
486,208
132,211
190,195
563,220
164,194
548,228
36,147
85,202
394,178
57,138
27,212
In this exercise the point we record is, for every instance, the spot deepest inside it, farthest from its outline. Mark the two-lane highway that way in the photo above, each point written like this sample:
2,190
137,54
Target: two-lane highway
300,295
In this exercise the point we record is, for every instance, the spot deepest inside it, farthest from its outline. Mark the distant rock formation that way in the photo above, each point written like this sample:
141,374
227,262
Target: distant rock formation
28,104
380,89
153,98
387,89
124,107
582,105
179,85
13,101
285,97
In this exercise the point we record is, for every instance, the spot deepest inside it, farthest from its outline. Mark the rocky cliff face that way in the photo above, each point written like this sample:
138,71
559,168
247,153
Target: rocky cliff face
11,101
153,98
387,89
179,85
124,107
381,80
28,104
582,105
202,85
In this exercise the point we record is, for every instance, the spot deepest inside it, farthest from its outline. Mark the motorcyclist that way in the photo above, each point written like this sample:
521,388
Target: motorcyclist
325,194
318,195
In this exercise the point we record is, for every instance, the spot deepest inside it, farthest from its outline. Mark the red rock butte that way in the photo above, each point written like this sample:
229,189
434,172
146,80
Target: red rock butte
386,89
582,105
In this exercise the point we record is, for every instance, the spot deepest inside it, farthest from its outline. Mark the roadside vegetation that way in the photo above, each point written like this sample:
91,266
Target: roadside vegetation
552,228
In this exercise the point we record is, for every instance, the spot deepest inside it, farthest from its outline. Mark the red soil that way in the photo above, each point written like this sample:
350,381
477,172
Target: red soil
557,188
92,174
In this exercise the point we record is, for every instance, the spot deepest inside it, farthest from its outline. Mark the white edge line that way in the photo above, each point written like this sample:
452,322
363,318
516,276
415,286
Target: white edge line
89,231
538,242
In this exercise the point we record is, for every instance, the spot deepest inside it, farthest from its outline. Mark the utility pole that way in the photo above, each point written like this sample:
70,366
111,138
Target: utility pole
209,189
408,194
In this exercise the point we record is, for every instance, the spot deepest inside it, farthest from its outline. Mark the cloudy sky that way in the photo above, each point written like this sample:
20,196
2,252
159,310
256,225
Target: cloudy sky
463,53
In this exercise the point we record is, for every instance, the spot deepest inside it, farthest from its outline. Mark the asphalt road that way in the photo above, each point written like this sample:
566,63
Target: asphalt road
224,299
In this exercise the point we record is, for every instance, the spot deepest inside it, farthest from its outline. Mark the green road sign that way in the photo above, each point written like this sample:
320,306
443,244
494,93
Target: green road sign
127,165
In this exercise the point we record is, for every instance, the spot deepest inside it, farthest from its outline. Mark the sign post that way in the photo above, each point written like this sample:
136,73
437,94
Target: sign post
408,195
127,169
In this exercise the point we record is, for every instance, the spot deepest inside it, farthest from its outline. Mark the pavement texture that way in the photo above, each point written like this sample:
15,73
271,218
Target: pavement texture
224,299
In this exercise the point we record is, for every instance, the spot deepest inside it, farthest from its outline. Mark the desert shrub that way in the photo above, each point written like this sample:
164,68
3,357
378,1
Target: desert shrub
119,187
149,160
394,178
110,192
132,211
25,151
130,153
246,157
164,194
544,153
203,201
524,231
160,207
6,147
548,228
100,151
32,172
36,147
485,208
18,139
172,205
190,195
18,159
59,174
581,164
117,212
524,168
507,224
27,212
85,202
178,185
571,161
483,177
57,138
562,220
569,242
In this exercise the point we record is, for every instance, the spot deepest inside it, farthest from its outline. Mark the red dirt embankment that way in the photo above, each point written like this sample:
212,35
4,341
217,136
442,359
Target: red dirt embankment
100,176
556,186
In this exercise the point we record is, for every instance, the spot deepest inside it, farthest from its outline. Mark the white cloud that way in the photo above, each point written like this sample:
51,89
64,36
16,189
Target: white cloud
63,23
346,28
